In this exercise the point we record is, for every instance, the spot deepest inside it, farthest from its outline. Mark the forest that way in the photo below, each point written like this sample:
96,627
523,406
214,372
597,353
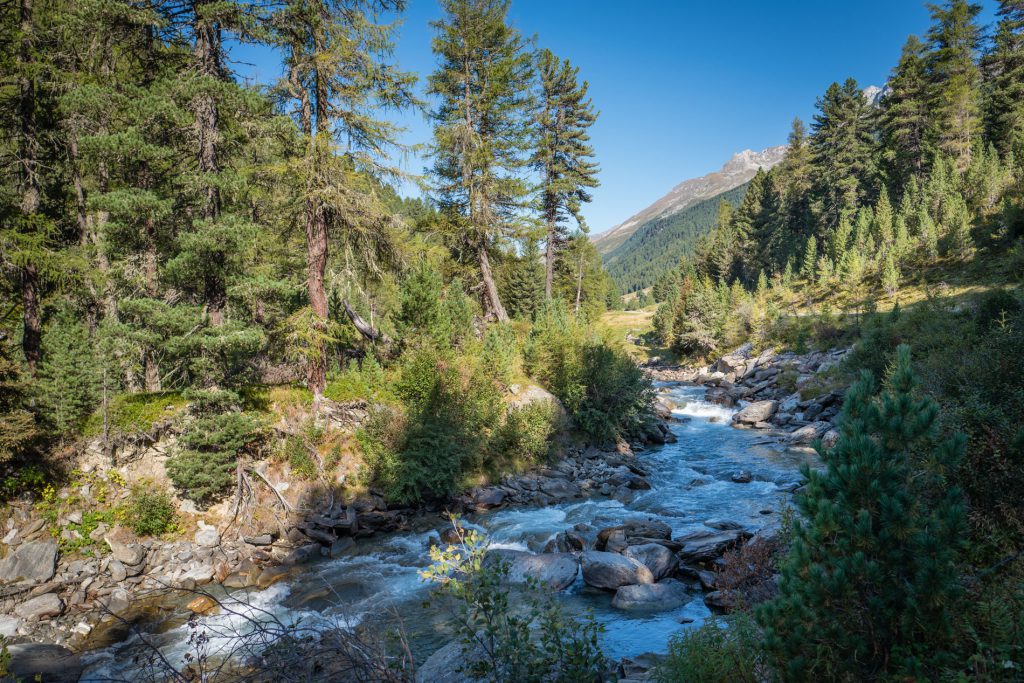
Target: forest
242,347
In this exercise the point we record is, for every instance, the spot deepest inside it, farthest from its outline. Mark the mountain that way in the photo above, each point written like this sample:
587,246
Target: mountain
656,247
737,171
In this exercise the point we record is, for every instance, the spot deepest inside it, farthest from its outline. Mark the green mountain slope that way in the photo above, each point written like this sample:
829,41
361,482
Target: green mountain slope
657,245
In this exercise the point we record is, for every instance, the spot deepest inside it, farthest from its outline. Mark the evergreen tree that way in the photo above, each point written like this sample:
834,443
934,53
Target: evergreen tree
841,148
868,586
1004,80
905,116
523,288
338,75
810,261
890,275
796,175
955,102
68,383
562,154
745,226
480,134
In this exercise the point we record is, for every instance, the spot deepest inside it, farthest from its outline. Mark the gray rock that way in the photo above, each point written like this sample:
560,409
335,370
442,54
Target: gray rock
722,601
118,602
742,477
809,433
262,539
612,571
705,546
207,538
117,570
636,529
46,605
444,666
561,489
663,595
32,562
830,438
128,553
9,625
660,560
44,662
556,571
759,411
722,524
491,497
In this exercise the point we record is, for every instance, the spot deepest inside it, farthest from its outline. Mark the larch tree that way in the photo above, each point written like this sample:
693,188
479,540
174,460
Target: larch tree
339,75
562,156
955,77
480,135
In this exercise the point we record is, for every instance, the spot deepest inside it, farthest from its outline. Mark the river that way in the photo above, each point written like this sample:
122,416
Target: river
691,482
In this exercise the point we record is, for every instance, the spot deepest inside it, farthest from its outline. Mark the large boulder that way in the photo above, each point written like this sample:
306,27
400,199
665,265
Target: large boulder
530,394
664,595
809,433
556,571
660,560
445,666
612,571
127,553
705,546
43,662
758,411
33,562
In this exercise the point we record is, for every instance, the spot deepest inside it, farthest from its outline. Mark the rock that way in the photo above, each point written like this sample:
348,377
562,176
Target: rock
663,595
705,546
9,625
127,553
207,538
556,571
722,524
260,540
445,666
560,489
118,602
203,604
32,562
809,433
636,528
660,560
44,662
742,477
117,571
830,438
759,411
722,601
46,605
340,547
490,497
612,571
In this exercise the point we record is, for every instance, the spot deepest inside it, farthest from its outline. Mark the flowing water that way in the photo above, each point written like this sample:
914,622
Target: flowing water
691,482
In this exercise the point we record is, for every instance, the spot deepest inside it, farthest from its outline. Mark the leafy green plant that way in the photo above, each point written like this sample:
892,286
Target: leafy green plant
529,638
150,511
722,650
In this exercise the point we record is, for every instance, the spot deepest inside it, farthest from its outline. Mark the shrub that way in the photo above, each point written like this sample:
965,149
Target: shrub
150,511
529,639
722,650
204,463
523,439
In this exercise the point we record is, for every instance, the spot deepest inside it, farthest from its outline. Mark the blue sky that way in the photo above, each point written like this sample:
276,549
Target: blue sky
681,85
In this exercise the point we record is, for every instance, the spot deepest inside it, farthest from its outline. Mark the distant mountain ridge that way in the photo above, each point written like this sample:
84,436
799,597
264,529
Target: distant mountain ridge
737,171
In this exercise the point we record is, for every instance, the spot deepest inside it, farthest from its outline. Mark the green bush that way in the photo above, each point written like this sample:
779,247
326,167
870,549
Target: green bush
204,463
724,650
150,511
524,438
359,381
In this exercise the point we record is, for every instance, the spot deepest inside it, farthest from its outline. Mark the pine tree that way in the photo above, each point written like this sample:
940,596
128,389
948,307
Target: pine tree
795,171
841,148
955,102
883,229
562,154
890,275
523,287
1004,80
868,587
480,134
905,118
745,224
810,261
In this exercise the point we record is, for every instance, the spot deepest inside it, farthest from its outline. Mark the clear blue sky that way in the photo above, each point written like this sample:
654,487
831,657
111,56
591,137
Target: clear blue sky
681,85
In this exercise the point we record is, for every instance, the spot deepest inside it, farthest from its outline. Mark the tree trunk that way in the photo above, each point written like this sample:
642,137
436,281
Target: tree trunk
549,261
28,162
152,368
491,298
579,286
208,55
316,263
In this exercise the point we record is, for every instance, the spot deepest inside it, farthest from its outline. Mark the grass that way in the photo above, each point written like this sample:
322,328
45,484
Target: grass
135,413
630,328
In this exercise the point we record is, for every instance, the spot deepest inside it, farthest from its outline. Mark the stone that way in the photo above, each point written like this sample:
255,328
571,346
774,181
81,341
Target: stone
340,547
118,602
722,524
445,666
203,604
759,411
742,477
722,601
660,596
830,438
612,571
128,553
636,528
117,571
660,560
47,605
44,662
809,433
560,489
262,539
32,562
9,625
556,571
207,538
705,546
491,497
